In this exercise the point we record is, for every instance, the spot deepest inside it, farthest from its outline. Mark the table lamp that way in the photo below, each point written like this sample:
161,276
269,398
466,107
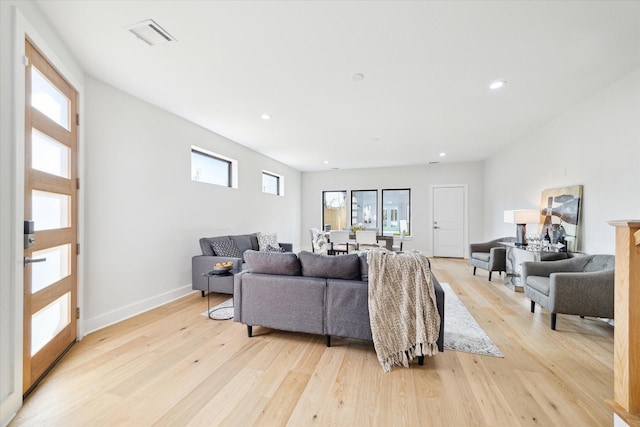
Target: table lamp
521,217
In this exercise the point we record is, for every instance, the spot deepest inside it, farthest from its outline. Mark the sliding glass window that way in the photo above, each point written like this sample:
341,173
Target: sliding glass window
364,209
334,210
211,168
396,209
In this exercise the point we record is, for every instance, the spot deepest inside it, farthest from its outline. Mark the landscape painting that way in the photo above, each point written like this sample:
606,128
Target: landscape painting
560,213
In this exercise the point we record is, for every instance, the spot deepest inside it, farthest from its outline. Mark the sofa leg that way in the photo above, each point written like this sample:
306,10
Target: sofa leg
474,271
582,317
420,360
489,276
328,340
202,294
249,331
533,306
553,321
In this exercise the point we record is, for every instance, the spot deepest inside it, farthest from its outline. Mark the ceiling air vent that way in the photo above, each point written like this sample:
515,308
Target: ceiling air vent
151,33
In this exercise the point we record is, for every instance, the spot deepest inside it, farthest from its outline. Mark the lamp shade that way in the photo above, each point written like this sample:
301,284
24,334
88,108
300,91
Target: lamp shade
522,216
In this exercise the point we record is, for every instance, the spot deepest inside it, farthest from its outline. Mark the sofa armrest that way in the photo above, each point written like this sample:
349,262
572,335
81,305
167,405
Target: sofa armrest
498,259
201,264
585,293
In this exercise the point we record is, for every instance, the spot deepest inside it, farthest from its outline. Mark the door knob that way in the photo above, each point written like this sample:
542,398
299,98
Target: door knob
29,260
435,226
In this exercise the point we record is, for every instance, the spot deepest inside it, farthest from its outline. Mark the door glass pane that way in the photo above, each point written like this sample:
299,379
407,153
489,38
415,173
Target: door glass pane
55,268
50,211
48,322
49,155
48,99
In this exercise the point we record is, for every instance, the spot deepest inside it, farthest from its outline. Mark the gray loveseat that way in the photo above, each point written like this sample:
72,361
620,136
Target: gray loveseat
201,264
310,293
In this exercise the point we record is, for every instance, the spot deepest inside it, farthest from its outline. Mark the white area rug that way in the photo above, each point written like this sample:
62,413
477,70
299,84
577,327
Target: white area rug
222,311
461,331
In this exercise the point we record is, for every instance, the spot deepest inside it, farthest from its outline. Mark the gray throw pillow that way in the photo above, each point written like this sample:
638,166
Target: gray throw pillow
330,267
227,249
282,263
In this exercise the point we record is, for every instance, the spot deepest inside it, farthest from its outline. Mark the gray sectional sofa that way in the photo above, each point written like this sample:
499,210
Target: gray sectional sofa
310,293
201,264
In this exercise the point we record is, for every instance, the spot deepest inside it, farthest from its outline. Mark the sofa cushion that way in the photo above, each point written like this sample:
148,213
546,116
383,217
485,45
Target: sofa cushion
205,244
331,267
539,283
281,263
364,267
483,256
267,239
226,248
242,241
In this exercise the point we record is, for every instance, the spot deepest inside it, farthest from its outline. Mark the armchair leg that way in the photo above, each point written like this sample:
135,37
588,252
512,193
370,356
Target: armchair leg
474,271
249,331
202,294
489,276
553,321
420,360
533,306
328,340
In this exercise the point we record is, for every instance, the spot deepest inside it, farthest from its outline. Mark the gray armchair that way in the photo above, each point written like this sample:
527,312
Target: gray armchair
581,285
489,256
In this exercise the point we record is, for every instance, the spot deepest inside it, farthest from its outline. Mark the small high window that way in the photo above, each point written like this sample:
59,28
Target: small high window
272,183
212,168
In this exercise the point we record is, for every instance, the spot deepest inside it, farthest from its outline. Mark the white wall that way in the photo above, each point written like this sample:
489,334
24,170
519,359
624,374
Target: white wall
595,144
144,215
419,178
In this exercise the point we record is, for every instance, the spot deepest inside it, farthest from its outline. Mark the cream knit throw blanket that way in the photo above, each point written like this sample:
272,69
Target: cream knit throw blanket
402,307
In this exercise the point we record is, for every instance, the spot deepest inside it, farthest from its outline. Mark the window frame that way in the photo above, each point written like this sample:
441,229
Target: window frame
232,166
346,213
279,183
399,218
354,212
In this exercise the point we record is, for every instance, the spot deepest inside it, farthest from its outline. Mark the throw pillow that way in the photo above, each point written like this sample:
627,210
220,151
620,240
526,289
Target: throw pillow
226,248
286,264
271,248
267,239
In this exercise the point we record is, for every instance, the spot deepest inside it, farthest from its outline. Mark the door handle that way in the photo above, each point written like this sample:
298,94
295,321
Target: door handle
29,260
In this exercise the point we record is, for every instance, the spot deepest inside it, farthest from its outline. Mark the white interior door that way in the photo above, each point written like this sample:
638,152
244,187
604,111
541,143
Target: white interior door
448,221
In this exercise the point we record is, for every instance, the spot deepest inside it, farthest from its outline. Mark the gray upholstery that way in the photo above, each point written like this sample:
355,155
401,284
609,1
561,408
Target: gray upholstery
336,267
294,303
201,264
582,285
282,263
490,256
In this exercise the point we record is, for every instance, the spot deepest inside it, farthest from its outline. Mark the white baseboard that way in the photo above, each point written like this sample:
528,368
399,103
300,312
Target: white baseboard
102,321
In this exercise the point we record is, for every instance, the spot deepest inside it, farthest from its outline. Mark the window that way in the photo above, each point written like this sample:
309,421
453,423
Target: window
364,209
334,211
272,183
212,168
396,208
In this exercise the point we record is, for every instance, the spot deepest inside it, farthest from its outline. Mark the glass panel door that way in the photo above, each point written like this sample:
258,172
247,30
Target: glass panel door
50,259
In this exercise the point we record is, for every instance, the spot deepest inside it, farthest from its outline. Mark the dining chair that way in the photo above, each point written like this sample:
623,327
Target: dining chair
366,240
339,241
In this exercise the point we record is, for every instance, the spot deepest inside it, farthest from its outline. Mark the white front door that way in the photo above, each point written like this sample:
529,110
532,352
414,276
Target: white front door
448,221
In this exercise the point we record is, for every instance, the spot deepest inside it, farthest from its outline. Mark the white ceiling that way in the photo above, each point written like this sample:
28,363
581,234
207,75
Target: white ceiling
426,66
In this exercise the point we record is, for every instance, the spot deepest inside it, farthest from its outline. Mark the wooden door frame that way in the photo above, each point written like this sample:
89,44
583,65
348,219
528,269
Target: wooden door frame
23,29
465,220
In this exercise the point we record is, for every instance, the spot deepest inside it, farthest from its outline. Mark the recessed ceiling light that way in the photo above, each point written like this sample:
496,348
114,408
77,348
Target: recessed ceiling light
497,84
357,77
326,162
443,154
265,116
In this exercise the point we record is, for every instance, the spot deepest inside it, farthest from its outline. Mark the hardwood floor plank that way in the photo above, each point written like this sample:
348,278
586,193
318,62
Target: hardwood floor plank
172,366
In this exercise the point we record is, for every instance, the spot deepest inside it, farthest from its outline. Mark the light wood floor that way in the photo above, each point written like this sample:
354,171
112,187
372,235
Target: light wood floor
174,367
